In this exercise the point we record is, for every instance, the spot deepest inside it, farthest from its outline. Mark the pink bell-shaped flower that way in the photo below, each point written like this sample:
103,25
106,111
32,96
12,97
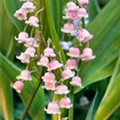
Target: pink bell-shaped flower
53,108
76,81
83,2
74,52
87,54
84,36
53,65
22,37
71,64
30,51
24,58
18,86
66,74
62,89
49,52
33,21
49,85
43,61
68,28
82,13
48,77
65,103
28,7
71,6
24,75
20,15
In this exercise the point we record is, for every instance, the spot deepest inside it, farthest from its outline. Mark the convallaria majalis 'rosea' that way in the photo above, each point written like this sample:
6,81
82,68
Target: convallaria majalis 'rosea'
75,15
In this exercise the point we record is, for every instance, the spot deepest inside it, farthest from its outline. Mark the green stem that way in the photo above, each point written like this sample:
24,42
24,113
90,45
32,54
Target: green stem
71,110
30,101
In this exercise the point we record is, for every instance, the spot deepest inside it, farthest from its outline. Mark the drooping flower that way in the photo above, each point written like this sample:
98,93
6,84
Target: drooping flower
30,51
71,6
83,2
22,37
49,85
49,52
74,52
84,36
48,77
28,7
66,74
68,28
24,57
24,75
87,54
53,108
20,15
18,86
53,65
31,42
82,13
76,81
33,21
62,89
65,103
71,64
43,61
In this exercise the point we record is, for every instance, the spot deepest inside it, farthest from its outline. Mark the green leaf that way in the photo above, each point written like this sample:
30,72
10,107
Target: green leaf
105,45
6,97
54,36
111,99
11,6
36,110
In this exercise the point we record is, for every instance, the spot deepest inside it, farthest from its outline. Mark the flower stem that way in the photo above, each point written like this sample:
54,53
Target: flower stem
30,101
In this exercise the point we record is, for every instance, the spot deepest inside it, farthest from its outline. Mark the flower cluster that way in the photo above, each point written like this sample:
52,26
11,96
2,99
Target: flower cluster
29,42
75,14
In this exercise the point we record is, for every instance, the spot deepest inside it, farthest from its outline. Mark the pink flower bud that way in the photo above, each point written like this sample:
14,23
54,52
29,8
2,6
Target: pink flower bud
71,64
22,37
18,86
83,2
82,13
74,52
20,15
65,103
71,6
48,77
87,54
50,85
24,75
24,58
53,108
76,81
30,51
53,65
33,21
49,52
43,61
68,28
62,89
66,74
84,36
28,7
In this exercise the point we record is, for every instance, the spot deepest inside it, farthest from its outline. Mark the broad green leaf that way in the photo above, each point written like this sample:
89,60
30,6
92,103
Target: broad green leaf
93,9
111,99
11,6
105,44
53,33
6,97
36,110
